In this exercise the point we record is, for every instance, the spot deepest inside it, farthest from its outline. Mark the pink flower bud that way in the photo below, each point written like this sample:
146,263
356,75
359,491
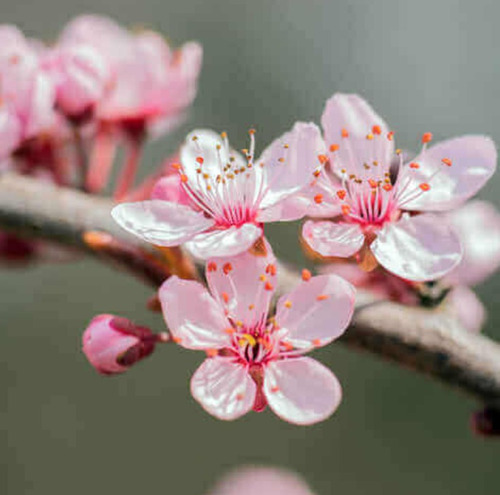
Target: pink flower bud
112,344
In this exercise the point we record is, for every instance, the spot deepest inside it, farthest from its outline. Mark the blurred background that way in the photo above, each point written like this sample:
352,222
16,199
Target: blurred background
425,66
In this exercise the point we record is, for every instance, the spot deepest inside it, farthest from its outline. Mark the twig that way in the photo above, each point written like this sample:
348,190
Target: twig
428,341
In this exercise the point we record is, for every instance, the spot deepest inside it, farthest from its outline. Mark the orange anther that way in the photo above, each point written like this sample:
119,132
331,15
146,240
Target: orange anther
225,297
240,396
446,161
346,209
334,147
427,137
262,278
318,198
316,342
275,389
184,178
271,269
306,275
177,166
223,135
322,159
281,160
251,131
322,297
317,173
288,304
341,193
229,331
424,186
344,133
177,340
414,165
227,268
211,266
251,306
268,286
200,160
390,135
369,137
387,187
212,352
373,183
376,129
287,346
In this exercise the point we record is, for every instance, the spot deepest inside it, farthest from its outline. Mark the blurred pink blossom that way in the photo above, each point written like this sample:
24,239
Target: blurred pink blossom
231,196
112,344
252,360
261,481
373,206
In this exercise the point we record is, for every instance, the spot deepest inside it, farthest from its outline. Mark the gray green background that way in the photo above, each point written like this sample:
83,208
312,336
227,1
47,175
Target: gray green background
426,66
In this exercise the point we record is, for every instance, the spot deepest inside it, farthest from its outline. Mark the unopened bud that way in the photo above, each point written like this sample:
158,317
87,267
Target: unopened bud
112,344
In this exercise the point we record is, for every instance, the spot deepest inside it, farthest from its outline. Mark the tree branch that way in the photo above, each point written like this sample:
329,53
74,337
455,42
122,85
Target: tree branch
428,341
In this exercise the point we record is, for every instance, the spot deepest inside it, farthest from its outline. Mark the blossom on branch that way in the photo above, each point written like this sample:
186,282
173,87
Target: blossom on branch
230,195
254,360
386,215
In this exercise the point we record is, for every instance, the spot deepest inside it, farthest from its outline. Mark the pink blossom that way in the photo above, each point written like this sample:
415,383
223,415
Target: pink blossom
27,95
261,481
149,80
252,360
231,196
374,208
112,344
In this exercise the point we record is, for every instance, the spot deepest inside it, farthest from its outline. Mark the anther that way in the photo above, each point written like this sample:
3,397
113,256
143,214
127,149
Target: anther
387,187
271,269
369,137
427,137
306,275
341,193
334,147
176,166
316,342
346,209
376,129
184,178
390,135
414,165
275,389
322,297
225,297
344,133
268,286
288,304
318,199
424,186
322,159
227,268
446,161
212,352
223,135
211,266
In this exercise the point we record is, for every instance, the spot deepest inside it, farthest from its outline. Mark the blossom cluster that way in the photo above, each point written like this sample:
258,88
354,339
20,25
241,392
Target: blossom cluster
394,223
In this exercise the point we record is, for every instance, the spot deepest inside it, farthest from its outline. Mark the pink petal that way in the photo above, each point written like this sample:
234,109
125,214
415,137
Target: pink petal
226,242
333,239
418,248
160,222
170,188
357,117
289,169
473,161
192,315
10,132
223,388
478,226
467,307
301,390
261,481
244,284
317,311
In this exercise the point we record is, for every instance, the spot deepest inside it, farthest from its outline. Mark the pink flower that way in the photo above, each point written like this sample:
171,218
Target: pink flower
27,95
254,361
261,481
373,206
231,196
150,81
112,344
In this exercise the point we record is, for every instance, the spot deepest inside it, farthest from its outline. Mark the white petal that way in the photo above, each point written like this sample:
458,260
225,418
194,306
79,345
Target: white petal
223,388
419,248
192,315
227,242
161,222
301,390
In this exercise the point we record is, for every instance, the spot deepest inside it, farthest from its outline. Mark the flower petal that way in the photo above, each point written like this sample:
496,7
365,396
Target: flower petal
169,188
244,284
301,390
473,161
192,315
347,121
223,388
226,242
467,307
317,311
418,248
333,239
478,226
289,162
161,222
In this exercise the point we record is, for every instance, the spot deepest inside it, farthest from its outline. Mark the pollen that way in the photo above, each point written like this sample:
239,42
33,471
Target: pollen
176,166
414,165
334,147
373,183
306,275
251,131
271,269
387,187
184,178
424,186
246,338
398,151
322,297
376,129
318,198
369,137
281,160
225,297
262,278
447,162
288,304
317,173
341,193
322,159
344,133
390,135
211,266
227,268
275,389
346,209
251,306
427,137
268,286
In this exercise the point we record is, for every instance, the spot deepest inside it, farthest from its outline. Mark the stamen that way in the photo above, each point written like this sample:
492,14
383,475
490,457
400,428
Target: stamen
306,275
447,162
426,137
227,268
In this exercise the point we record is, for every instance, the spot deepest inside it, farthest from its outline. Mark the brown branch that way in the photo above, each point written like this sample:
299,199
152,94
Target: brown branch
428,341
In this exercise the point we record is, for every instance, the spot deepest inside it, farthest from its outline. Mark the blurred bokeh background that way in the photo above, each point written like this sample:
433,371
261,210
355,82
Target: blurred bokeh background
425,66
